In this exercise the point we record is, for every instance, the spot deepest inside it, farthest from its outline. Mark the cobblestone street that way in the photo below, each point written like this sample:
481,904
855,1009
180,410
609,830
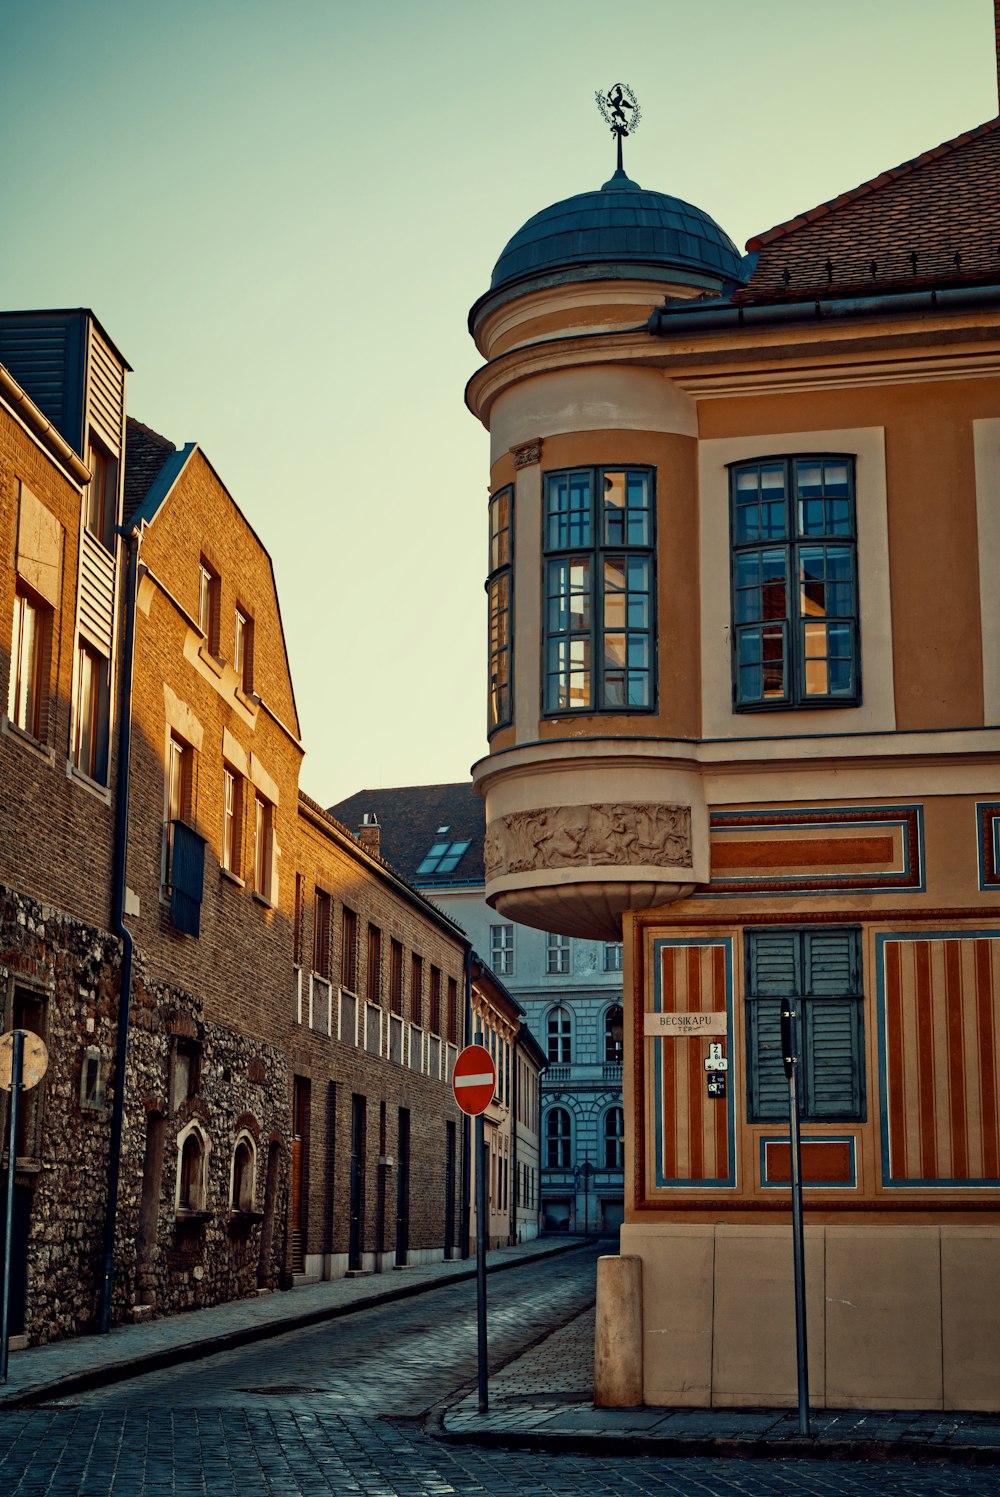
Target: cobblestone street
351,1408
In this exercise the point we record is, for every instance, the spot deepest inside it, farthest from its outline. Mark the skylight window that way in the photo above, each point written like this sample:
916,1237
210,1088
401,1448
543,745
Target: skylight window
444,855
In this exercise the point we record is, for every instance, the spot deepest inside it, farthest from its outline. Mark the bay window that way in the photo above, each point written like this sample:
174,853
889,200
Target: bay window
599,590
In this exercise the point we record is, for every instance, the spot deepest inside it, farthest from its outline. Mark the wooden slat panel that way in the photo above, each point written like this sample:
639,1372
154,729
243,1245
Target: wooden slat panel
695,1136
97,592
107,392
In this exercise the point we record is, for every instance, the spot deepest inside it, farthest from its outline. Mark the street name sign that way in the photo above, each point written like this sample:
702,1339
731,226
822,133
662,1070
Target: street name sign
474,1080
681,1025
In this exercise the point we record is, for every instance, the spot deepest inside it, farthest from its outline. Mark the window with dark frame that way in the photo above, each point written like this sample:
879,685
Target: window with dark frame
297,925
263,844
452,1011
31,654
558,1138
101,503
416,988
434,1004
821,969
598,626
322,912
209,589
794,582
499,593
373,971
396,977
614,1139
232,821
349,950
90,713
559,1036
180,793
243,650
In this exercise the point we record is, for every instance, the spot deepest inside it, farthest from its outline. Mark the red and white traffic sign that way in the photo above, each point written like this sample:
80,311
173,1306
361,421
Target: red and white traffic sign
474,1080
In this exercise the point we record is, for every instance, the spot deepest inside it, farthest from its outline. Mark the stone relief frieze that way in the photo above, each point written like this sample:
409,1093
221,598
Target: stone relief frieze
607,835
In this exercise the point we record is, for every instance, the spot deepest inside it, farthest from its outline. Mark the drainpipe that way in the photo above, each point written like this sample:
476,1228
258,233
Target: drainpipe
513,1134
118,924
466,1226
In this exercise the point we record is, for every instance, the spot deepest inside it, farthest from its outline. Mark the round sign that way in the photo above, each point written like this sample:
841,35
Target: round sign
474,1080
34,1059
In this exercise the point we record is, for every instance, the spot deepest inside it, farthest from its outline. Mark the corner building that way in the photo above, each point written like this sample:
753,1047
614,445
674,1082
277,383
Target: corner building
744,689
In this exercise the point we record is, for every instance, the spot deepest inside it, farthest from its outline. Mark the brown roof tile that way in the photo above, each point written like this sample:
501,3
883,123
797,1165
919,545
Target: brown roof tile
932,221
145,453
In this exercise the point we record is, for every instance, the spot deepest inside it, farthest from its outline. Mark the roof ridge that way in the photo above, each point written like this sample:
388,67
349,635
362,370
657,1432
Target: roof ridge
134,422
891,174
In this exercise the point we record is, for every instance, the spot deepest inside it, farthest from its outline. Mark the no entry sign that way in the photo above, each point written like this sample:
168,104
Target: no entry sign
474,1080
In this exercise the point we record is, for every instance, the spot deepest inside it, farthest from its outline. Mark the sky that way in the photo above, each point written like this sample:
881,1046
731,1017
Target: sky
282,213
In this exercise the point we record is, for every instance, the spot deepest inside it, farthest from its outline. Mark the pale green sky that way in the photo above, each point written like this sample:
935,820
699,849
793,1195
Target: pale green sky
283,213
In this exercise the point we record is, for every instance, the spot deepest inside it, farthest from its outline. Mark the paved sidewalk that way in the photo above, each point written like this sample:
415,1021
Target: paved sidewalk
66,1367
543,1400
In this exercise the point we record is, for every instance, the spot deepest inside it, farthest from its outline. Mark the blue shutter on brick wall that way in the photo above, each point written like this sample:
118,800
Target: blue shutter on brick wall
187,878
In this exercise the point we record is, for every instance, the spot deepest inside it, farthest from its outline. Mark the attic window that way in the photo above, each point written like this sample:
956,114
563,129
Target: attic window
444,855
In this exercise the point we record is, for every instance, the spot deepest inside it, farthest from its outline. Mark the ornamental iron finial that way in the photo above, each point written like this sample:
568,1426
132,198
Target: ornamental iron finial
620,112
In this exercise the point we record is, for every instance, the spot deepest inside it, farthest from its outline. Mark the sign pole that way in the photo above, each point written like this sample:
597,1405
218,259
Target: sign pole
15,1092
484,1397
790,1058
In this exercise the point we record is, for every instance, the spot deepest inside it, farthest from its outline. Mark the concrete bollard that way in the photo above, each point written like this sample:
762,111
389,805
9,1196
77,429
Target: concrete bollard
618,1333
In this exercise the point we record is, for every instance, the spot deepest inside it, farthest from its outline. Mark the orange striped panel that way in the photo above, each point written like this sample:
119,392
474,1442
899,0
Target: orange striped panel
942,1019
695,1139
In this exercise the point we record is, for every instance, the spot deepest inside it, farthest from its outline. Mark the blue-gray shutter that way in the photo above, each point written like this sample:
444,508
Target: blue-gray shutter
833,1034
187,878
773,973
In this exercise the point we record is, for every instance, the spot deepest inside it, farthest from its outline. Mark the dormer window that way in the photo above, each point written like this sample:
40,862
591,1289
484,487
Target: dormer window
101,500
444,854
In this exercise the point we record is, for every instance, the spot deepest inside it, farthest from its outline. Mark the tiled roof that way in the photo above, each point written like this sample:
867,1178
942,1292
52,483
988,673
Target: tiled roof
409,817
145,453
932,221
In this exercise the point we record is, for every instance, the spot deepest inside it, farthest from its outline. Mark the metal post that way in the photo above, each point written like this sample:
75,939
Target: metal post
15,1092
484,1397
790,1057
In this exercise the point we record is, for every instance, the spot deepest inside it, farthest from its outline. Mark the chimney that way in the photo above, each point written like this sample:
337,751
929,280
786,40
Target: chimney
369,832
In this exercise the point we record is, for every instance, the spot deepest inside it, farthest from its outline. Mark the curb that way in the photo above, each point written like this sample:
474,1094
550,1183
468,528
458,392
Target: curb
697,1447
192,1351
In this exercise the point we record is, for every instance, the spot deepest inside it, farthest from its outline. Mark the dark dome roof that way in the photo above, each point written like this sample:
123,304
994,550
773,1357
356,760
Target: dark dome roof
620,222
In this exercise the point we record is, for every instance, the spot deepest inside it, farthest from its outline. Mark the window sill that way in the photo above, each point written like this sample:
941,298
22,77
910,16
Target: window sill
250,699
261,899
93,787
215,665
28,741
232,878
184,1216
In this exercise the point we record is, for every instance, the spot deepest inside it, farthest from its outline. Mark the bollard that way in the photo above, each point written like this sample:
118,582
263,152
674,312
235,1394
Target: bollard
618,1333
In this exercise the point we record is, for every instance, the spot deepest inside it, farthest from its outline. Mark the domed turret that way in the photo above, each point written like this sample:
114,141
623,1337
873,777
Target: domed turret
620,224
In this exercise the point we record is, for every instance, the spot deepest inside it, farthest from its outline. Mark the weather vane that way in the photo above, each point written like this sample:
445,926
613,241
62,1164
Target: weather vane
613,106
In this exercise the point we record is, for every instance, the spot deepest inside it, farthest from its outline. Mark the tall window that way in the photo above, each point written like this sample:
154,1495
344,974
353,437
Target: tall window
232,820
820,970
29,665
321,934
795,593
102,494
453,1010
349,950
557,951
209,589
373,974
614,1139
90,713
612,956
559,1035
502,950
396,977
243,650
263,844
599,623
613,1034
416,988
498,591
558,1138
434,1017
180,792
